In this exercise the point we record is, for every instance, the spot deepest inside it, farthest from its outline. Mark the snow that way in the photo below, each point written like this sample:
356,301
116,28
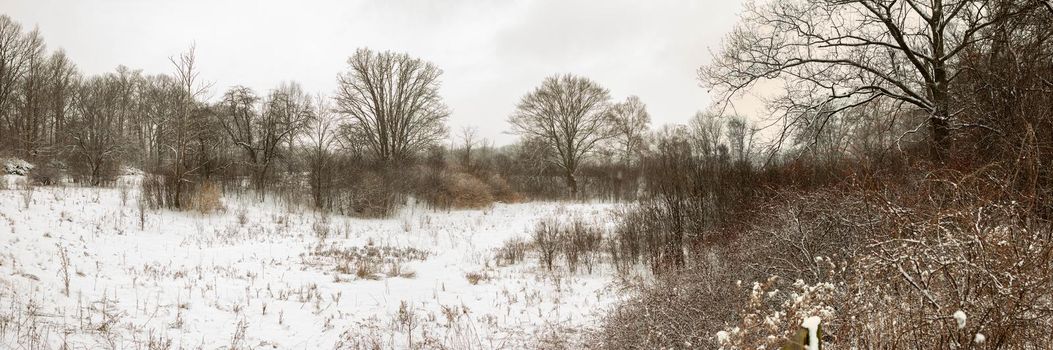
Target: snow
960,318
256,276
812,324
11,181
722,337
15,166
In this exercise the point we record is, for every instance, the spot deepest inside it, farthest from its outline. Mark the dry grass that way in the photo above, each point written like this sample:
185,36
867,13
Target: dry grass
456,190
369,262
207,198
512,251
475,277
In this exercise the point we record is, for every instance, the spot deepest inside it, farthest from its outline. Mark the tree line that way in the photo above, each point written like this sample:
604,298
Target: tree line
380,136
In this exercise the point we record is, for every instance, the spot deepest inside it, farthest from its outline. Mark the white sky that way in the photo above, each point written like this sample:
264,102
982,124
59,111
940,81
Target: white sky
491,52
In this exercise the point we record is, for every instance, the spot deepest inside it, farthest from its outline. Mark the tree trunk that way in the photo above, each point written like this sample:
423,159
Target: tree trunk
941,141
259,176
573,183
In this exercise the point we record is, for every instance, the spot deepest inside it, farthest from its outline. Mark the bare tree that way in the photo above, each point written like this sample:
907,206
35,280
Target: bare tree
94,134
707,135
321,141
740,139
62,85
260,132
28,123
629,121
184,128
158,106
13,66
842,54
568,114
392,103
469,139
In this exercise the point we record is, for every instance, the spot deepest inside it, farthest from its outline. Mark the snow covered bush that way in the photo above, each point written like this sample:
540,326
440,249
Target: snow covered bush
774,311
884,264
966,246
16,166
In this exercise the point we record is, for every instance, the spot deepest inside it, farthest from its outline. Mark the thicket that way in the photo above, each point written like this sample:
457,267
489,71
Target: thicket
858,223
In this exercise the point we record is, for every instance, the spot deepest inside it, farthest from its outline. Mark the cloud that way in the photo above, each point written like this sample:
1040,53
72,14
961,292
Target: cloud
492,52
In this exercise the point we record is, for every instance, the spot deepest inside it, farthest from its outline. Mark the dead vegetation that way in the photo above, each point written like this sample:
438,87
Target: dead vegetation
368,262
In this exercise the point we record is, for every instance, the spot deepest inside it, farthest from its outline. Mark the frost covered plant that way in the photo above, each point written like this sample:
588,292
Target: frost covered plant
64,263
15,166
321,227
775,311
979,269
406,320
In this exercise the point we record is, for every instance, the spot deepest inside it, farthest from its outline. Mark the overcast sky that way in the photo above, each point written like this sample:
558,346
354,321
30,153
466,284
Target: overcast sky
491,52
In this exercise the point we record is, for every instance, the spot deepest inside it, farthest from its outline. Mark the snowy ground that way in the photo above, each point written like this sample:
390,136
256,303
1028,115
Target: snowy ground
259,276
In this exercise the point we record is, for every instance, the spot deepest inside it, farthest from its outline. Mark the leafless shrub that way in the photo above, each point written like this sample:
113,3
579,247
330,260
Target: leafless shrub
555,338
372,196
581,241
512,251
546,240
27,325
158,342
678,310
695,181
457,190
576,241
626,243
321,227
502,191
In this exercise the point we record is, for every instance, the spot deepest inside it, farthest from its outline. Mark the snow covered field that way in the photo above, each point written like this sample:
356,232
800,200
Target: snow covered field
78,268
